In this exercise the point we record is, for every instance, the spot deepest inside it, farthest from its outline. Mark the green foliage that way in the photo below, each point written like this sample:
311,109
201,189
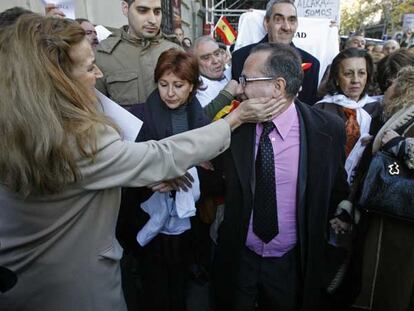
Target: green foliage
363,13
399,10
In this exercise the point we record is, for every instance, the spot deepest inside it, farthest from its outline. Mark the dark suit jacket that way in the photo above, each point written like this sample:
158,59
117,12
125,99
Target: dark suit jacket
321,186
310,81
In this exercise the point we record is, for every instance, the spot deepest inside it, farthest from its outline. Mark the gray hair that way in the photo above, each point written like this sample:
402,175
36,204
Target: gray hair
392,41
271,3
201,40
282,62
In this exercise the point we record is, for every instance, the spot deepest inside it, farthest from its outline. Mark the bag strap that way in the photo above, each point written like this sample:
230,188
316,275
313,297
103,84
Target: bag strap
392,143
403,128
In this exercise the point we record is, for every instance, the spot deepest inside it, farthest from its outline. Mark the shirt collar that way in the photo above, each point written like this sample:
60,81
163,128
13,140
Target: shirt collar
142,41
211,79
285,120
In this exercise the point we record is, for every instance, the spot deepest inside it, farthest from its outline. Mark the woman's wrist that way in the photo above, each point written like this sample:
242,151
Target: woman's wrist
233,119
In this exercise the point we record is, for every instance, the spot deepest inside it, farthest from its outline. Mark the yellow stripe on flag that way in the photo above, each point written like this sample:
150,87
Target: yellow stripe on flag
226,31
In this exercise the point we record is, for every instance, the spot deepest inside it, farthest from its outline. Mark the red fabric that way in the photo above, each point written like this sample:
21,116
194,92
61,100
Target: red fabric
306,66
352,130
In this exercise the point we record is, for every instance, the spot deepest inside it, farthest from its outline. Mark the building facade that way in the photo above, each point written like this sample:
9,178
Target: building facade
108,13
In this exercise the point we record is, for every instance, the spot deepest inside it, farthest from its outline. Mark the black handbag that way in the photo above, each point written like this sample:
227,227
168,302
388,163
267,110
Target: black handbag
388,188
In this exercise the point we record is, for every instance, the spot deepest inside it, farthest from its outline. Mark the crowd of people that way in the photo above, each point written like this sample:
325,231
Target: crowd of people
246,177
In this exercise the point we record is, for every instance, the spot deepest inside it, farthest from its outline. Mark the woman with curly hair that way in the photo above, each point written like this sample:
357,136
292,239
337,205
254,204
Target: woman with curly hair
387,266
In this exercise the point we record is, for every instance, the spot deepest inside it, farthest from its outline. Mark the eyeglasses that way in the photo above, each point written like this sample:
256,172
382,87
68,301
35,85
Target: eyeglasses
243,80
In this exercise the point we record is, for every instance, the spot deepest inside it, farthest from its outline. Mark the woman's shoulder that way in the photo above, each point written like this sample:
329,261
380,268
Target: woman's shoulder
402,119
331,108
374,108
138,110
106,135
197,113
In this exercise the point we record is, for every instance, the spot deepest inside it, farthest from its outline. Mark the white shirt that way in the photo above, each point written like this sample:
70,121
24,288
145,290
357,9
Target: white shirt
167,215
210,88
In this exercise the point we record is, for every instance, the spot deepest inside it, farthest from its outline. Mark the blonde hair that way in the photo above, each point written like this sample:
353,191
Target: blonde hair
44,113
403,95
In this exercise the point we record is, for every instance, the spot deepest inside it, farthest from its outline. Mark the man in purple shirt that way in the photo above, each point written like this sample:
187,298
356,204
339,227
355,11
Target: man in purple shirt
289,265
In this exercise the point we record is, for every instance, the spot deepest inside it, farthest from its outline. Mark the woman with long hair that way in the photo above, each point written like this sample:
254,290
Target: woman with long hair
62,166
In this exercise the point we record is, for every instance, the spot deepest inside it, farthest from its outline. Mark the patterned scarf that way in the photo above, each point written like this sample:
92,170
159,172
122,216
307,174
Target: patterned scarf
357,127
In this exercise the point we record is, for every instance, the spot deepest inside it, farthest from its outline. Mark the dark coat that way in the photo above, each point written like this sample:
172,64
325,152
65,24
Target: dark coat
310,79
157,125
321,186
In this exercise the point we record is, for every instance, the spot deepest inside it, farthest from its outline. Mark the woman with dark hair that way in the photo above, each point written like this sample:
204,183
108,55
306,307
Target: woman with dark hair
346,96
165,255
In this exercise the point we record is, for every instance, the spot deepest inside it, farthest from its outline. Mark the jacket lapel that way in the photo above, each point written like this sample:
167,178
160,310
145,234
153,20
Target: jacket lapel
242,150
301,191
315,148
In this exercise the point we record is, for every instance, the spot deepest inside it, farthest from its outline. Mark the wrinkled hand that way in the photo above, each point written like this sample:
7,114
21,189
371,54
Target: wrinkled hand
180,183
388,135
339,226
207,165
231,87
257,110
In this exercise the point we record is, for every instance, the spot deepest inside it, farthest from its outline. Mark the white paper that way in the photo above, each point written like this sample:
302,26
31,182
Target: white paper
102,32
317,37
66,6
129,124
329,9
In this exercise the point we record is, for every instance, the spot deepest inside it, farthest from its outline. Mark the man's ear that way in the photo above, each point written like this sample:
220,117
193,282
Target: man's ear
266,23
280,85
125,8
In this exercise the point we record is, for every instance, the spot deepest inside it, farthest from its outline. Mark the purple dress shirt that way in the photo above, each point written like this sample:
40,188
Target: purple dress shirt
285,140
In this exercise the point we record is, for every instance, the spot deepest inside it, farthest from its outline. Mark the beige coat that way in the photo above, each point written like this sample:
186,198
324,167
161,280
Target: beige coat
128,65
63,246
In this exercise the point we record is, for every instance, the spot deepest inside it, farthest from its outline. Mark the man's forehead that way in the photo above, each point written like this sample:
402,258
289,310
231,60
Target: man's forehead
87,25
359,38
151,4
208,47
390,43
284,9
254,63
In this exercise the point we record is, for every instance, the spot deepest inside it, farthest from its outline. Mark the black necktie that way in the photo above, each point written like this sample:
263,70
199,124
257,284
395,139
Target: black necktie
265,206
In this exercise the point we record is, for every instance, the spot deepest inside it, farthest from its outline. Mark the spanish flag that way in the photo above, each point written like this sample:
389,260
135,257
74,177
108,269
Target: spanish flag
226,31
226,110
